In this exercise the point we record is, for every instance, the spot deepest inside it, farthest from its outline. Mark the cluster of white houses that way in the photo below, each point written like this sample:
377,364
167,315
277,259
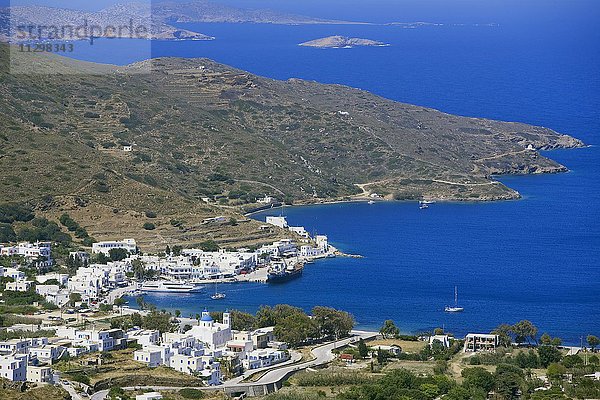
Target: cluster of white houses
197,351
189,265
38,253
200,350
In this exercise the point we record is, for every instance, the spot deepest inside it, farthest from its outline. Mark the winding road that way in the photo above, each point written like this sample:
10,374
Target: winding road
275,376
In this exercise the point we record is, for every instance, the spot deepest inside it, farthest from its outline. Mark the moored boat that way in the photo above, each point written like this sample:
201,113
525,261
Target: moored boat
170,287
280,272
455,308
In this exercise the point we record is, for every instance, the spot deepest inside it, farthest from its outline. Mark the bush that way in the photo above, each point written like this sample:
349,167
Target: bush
333,378
149,226
81,378
188,393
101,187
150,214
209,245
11,212
7,233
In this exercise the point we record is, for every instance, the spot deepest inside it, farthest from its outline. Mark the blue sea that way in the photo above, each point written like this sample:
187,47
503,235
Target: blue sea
537,258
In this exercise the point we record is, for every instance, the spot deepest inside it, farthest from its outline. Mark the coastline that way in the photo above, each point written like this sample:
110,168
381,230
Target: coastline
366,198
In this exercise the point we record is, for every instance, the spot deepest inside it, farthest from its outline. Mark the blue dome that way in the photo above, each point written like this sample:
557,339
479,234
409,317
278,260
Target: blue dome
206,317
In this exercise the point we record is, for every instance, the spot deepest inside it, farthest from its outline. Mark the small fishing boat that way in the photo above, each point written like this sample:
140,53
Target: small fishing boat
371,202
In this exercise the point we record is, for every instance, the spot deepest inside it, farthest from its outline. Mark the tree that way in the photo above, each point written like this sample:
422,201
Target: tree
141,302
157,320
118,254
209,245
508,381
295,329
478,378
381,356
74,298
593,341
556,371
270,316
363,350
438,331
548,355
119,302
389,329
7,233
527,360
572,361
331,322
242,321
176,251
149,226
525,331
117,393
137,320
545,339
100,258
177,313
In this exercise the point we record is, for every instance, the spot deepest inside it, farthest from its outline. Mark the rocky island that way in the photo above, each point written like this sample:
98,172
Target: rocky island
342,42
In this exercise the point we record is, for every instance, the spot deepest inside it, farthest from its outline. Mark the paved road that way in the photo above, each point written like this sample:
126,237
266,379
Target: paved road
69,388
101,395
322,354
116,293
294,359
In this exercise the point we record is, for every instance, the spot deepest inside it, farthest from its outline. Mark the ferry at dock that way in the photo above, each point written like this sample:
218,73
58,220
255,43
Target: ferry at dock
170,287
280,272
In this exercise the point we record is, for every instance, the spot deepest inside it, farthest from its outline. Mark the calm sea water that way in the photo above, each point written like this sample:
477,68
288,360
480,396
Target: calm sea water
537,258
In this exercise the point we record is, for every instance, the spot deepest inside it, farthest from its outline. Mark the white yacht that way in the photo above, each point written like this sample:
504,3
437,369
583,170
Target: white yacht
455,308
170,287
218,295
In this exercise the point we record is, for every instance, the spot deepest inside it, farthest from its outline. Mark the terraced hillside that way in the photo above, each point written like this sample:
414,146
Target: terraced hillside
201,130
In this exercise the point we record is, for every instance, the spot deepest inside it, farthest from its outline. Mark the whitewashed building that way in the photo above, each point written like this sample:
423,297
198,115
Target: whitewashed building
62,279
88,281
264,358
300,231
30,251
14,367
53,294
37,374
13,273
480,342
47,353
105,247
20,285
277,221
215,335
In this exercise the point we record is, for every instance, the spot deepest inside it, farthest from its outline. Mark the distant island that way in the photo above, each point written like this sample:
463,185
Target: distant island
341,42
157,21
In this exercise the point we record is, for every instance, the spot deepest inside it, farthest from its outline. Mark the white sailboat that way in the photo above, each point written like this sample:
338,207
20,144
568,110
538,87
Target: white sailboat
455,308
217,295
